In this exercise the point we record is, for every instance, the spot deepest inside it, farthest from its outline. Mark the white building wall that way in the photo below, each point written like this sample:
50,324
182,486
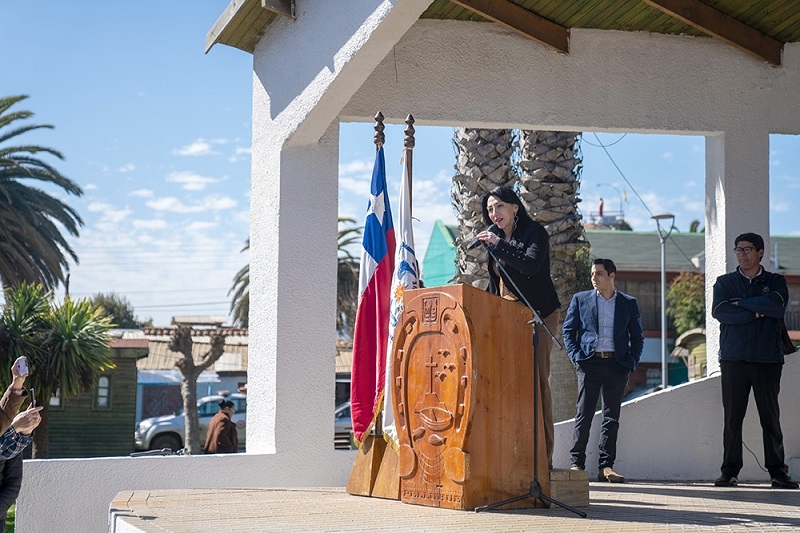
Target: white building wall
446,73
74,495
676,434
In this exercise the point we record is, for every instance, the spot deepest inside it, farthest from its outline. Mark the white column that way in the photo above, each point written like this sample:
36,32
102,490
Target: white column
737,201
293,295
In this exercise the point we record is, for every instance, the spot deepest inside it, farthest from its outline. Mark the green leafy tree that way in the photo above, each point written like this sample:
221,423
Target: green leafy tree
120,310
67,346
686,301
32,246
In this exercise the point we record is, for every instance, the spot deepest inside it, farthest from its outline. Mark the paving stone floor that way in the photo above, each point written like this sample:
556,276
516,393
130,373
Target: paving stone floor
640,507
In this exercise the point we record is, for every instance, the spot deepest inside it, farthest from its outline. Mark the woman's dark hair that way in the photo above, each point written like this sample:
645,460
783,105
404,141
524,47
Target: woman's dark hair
507,195
225,404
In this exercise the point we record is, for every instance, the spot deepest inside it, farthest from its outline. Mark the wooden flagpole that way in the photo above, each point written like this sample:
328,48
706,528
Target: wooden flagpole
387,483
370,454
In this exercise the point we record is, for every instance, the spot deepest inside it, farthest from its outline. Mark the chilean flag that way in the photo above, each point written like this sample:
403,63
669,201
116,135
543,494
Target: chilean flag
371,335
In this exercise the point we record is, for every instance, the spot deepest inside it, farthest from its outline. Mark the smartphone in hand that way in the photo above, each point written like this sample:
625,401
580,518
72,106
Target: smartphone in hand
22,366
33,397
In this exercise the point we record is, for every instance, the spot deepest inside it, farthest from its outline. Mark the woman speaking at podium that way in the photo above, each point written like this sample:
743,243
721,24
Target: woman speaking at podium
522,247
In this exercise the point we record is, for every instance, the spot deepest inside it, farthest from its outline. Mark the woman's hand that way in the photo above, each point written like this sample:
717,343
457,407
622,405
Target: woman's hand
487,237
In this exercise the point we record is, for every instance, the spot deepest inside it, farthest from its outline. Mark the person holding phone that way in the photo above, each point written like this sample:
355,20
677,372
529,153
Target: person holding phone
17,433
15,393
16,429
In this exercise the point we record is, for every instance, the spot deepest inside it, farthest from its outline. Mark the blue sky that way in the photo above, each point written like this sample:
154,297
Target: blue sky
157,134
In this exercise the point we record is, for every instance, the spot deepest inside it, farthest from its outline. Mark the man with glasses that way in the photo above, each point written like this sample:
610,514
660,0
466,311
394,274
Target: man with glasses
749,305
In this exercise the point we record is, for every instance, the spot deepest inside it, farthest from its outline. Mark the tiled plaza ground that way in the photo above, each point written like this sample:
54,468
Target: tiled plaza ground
640,507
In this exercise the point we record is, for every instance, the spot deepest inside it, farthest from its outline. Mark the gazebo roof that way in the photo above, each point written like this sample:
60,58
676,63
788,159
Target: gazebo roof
759,28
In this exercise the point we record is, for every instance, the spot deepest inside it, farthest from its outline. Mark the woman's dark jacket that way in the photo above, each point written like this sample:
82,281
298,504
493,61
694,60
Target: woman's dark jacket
526,258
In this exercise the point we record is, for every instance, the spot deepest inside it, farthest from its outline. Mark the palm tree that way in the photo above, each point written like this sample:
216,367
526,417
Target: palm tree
346,287
240,304
32,247
483,162
549,182
347,279
67,346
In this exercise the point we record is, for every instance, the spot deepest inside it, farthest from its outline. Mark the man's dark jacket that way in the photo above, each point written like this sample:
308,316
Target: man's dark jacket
737,299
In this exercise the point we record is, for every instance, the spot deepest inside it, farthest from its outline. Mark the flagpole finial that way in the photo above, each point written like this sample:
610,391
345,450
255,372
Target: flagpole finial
409,141
379,138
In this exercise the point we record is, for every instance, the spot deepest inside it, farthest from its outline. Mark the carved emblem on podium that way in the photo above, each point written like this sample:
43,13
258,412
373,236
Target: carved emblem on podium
432,366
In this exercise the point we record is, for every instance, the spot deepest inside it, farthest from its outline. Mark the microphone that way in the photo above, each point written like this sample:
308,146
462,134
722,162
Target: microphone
474,244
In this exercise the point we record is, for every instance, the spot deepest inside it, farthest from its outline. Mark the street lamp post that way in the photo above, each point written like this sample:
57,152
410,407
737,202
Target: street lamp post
663,233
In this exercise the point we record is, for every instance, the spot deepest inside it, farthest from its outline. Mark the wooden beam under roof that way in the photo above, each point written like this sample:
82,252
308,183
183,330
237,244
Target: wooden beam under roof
522,21
724,27
281,7
243,22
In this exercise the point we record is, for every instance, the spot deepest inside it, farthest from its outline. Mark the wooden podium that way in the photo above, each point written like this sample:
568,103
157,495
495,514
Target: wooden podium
463,399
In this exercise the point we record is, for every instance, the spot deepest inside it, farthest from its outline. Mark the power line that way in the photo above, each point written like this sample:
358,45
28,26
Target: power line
125,293
603,146
159,306
607,145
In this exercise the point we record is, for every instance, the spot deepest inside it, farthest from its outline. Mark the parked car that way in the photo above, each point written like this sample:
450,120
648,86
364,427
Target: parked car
638,393
169,431
343,428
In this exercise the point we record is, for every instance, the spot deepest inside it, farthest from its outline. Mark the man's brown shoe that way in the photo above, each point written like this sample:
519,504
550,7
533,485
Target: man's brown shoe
607,474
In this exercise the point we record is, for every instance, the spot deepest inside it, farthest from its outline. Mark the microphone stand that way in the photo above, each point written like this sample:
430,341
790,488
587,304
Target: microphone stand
535,490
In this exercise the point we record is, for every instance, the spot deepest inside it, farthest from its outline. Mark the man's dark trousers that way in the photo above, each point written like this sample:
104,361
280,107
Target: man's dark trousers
738,377
596,375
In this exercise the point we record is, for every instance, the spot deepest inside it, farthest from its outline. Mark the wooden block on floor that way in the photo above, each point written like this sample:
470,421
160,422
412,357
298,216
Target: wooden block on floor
365,468
570,487
387,483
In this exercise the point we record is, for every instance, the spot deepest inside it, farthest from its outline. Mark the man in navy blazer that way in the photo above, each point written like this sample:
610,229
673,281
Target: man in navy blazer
603,338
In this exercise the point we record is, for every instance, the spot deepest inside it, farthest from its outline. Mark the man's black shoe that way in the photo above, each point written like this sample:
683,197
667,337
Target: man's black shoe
784,482
726,481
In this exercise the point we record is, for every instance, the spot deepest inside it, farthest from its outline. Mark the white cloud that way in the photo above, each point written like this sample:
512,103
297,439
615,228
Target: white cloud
142,193
209,203
90,187
355,186
668,156
202,147
130,167
780,207
239,153
150,224
96,207
356,167
116,215
199,226
197,148
190,181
